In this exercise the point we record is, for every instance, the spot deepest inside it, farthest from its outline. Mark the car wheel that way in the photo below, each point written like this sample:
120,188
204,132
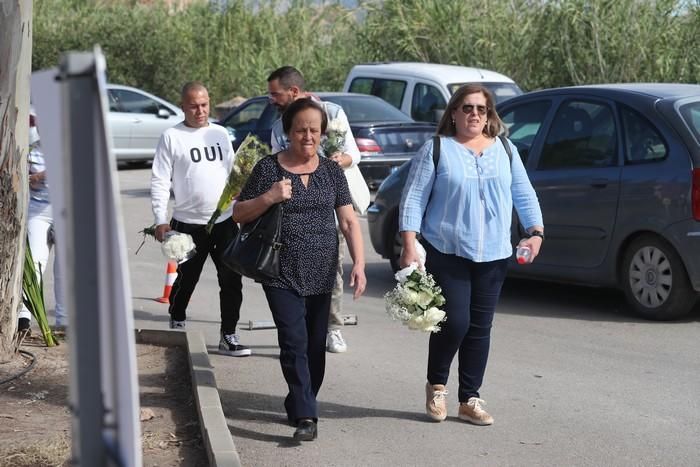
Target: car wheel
394,243
654,280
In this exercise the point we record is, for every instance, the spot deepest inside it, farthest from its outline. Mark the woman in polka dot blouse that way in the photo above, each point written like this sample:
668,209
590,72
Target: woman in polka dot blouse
313,191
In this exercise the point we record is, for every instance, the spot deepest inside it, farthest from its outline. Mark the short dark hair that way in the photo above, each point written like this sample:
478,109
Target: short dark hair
288,76
191,86
494,126
299,105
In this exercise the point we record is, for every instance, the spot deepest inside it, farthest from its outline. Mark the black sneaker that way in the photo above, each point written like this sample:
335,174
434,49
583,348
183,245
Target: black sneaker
230,345
23,325
177,325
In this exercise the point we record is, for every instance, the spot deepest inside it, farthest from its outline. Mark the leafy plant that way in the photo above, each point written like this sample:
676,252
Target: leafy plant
33,296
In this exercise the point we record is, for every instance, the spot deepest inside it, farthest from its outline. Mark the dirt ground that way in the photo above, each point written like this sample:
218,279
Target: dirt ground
35,420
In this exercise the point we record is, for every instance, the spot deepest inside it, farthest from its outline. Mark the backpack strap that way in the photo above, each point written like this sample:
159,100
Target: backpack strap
504,142
436,152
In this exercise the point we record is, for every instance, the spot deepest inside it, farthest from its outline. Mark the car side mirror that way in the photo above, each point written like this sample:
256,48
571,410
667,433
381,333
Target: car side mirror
162,113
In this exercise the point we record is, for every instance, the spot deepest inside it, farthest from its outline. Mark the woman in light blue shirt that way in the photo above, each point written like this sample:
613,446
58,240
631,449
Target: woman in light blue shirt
462,208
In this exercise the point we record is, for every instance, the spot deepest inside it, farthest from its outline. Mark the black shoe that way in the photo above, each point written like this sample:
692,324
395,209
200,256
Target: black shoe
306,430
23,324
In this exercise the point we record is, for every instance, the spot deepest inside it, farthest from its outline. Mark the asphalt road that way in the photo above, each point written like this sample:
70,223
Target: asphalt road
573,379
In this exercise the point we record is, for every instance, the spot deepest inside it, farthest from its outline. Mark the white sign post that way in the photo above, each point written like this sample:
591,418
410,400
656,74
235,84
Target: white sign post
81,169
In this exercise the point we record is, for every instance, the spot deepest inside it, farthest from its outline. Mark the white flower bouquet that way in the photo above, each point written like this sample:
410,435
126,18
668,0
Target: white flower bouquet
178,246
416,300
335,138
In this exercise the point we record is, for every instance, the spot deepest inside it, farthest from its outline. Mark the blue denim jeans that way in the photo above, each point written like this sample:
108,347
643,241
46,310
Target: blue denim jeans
472,291
302,324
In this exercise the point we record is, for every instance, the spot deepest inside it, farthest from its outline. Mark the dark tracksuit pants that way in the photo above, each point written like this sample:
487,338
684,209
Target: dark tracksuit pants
230,286
302,324
471,291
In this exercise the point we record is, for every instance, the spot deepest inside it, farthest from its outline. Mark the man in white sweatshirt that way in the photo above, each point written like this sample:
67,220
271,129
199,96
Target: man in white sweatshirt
194,158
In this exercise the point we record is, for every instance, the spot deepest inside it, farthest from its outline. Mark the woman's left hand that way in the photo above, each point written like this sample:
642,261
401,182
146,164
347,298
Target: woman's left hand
358,280
534,243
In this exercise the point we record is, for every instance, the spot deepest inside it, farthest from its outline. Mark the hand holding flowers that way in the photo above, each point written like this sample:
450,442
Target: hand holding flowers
176,246
416,300
334,141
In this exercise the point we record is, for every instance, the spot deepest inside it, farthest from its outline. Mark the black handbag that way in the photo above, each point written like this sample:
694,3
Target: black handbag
255,252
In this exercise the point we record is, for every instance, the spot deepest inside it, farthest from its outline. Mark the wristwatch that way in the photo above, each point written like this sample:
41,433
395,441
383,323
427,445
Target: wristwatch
537,233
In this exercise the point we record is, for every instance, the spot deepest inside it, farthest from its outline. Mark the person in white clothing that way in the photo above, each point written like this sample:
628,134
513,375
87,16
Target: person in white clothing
285,85
194,158
40,225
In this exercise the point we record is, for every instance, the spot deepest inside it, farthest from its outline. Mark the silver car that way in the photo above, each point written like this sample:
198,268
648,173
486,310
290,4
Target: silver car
136,120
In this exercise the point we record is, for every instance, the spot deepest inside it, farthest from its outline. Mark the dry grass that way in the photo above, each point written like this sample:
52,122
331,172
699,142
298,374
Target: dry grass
45,453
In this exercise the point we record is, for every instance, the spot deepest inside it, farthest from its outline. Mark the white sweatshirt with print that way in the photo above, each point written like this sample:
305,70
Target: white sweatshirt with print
195,163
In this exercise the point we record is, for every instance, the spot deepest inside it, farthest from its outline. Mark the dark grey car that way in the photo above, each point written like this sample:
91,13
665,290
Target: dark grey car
617,172
384,135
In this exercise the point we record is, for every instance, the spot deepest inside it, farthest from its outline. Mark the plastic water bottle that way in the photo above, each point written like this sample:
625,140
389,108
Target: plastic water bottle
523,254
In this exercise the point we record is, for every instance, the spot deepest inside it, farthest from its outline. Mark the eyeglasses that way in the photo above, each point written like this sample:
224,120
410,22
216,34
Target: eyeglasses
469,108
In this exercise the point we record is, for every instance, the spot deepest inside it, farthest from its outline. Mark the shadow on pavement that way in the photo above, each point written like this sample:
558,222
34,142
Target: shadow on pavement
247,406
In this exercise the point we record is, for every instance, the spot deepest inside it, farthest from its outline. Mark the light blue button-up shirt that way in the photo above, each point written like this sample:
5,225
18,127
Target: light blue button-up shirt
466,208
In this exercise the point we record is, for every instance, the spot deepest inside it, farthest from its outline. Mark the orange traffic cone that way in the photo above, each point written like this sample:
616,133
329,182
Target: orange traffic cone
170,275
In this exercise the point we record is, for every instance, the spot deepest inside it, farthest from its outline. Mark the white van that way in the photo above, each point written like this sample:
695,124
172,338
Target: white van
422,90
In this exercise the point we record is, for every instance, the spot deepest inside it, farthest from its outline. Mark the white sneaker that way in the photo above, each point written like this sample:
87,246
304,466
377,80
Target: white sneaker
335,342
177,325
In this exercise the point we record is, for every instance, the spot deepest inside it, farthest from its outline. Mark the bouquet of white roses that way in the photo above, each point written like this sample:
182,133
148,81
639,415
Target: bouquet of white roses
335,138
416,300
178,246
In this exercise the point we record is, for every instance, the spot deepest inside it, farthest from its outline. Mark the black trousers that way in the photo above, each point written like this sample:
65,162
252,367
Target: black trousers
302,324
230,286
472,291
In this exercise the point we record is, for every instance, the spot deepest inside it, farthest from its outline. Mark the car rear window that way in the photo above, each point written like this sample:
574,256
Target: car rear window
390,90
691,115
361,109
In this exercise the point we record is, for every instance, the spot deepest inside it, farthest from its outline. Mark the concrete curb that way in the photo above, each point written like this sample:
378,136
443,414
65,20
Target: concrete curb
216,436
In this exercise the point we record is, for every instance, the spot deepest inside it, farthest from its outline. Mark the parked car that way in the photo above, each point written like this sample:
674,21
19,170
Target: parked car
422,90
136,120
617,172
386,137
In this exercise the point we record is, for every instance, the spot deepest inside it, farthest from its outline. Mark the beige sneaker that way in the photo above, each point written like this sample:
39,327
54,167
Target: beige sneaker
472,412
435,405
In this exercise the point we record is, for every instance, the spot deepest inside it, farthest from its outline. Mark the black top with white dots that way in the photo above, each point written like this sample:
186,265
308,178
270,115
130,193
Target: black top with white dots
309,257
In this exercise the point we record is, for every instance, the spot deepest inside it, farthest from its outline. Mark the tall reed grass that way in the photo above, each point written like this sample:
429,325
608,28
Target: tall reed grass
539,43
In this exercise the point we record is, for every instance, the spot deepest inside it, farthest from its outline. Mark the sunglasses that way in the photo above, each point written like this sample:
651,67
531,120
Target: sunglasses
469,108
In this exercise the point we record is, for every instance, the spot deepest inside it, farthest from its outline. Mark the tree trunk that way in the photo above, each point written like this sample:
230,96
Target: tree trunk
15,74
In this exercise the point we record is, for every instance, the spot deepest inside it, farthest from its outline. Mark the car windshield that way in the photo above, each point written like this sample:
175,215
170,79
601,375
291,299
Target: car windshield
367,109
691,115
500,91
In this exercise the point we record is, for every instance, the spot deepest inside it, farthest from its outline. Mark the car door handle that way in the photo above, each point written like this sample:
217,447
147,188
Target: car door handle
599,182
136,120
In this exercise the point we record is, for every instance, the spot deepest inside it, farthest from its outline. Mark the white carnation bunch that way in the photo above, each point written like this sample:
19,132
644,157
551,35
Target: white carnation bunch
178,246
